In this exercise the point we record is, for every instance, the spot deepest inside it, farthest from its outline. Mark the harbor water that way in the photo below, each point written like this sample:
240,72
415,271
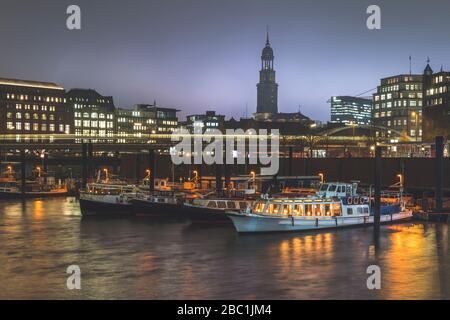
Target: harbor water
138,258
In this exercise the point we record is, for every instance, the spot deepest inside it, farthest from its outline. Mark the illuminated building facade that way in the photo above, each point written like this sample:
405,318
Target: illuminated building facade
137,125
94,115
351,110
165,119
206,122
33,110
436,109
397,108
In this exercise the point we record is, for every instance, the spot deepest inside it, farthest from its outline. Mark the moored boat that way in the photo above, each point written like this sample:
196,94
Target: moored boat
108,197
296,214
40,188
336,205
158,204
100,199
213,210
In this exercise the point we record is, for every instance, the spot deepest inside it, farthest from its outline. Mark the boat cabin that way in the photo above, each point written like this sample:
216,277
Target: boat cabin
337,189
109,189
306,207
223,204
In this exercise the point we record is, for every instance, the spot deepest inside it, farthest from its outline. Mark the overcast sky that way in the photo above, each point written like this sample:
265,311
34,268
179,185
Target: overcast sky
202,55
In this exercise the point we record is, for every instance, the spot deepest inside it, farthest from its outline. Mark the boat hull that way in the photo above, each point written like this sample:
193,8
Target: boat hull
250,223
202,215
144,208
105,209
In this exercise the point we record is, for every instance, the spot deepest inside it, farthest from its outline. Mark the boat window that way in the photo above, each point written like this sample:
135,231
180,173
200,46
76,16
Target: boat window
332,187
298,210
339,189
366,209
336,209
328,209
349,211
309,209
243,205
231,205
287,209
324,187
258,207
212,204
318,209
349,190
360,210
160,199
273,208
221,204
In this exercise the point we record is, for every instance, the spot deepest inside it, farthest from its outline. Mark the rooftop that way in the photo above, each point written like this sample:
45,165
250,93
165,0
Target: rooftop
30,84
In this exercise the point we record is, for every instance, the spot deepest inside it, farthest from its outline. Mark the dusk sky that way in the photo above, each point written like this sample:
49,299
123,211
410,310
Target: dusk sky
200,55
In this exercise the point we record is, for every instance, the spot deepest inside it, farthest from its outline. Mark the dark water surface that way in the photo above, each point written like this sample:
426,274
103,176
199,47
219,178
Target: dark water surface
136,258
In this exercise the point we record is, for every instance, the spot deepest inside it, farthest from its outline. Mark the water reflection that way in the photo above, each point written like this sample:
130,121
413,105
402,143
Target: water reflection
135,258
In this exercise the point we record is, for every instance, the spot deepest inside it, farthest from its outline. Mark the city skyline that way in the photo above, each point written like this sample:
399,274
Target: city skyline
199,59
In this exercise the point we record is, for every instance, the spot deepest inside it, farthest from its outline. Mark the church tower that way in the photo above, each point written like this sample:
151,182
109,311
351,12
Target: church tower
267,88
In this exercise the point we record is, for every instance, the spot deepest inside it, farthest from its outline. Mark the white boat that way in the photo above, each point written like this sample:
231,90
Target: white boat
314,213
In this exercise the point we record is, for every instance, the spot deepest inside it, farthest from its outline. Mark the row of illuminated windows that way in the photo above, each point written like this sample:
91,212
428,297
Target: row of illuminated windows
442,89
300,209
94,115
130,120
27,116
398,103
169,123
389,88
24,97
163,129
436,101
87,132
389,96
36,127
94,124
79,99
35,107
440,79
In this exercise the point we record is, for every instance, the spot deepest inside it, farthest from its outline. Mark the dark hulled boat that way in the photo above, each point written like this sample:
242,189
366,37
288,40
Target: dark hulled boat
212,211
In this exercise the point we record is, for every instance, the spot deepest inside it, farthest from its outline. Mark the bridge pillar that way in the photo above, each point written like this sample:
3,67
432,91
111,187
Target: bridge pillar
84,163
90,161
439,164
152,167
138,168
291,155
377,194
218,170
22,171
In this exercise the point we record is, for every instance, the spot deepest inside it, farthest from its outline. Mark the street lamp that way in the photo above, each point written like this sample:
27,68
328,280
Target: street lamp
38,169
106,174
9,168
400,177
322,177
195,172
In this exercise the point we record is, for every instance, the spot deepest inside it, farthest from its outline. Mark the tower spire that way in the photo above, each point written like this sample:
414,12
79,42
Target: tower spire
267,36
